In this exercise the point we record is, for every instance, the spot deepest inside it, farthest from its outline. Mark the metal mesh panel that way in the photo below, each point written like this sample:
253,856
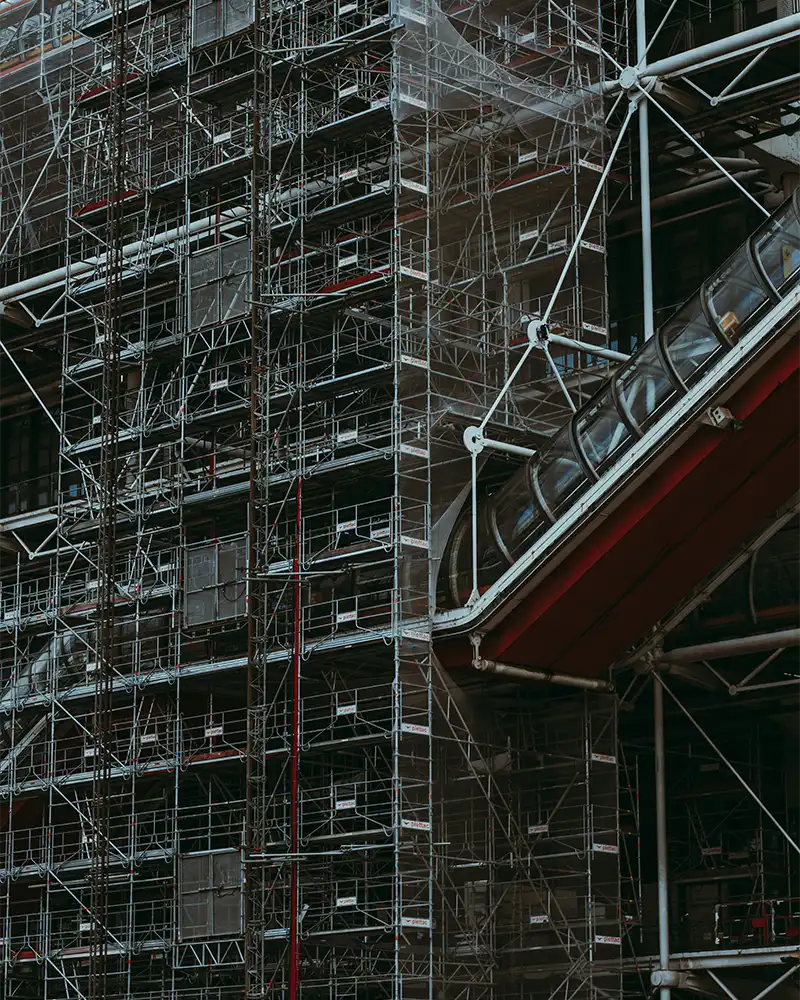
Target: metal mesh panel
234,284
211,895
203,284
215,581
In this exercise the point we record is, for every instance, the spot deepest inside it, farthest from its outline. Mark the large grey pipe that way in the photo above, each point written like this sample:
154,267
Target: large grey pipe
85,267
734,647
543,676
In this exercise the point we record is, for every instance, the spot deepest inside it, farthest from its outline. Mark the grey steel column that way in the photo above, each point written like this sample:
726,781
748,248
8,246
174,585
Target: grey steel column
644,179
665,992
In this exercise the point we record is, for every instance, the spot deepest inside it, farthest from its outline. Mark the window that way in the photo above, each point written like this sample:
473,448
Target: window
211,895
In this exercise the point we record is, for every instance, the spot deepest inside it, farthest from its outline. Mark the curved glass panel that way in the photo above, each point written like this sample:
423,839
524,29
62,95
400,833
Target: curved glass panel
516,514
601,431
689,340
643,385
490,563
560,475
778,246
734,294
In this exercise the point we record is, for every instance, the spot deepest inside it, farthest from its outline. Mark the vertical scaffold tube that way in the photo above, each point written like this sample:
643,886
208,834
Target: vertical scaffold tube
665,992
294,932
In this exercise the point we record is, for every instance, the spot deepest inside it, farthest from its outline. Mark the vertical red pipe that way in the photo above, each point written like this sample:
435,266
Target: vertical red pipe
294,934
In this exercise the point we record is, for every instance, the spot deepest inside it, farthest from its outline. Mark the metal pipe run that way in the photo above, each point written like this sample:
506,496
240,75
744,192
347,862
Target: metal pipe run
644,182
545,676
80,268
731,46
734,647
579,345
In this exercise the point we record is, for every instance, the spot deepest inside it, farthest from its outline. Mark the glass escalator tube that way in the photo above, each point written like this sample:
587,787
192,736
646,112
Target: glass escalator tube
560,475
739,290
645,386
491,561
515,515
603,431
643,389
691,341
776,245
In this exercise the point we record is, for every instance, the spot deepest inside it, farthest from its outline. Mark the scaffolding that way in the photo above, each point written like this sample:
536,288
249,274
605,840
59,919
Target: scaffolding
275,256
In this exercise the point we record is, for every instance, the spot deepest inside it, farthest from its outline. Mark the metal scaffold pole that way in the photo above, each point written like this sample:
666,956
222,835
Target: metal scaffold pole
665,992
644,178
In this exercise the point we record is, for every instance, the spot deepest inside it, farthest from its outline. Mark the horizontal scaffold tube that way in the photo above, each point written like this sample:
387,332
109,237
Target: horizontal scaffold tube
544,676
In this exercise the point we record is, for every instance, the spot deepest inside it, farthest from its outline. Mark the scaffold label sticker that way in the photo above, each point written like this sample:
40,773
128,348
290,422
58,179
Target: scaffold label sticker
380,532
590,166
348,175
412,449
413,185
532,154
346,616
349,260
346,709
415,729
147,738
529,234
344,436
417,543
538,918
347,91
415,102
557,245
539,828
342,804
587,46
214,730
422,922
593,328
604,758
276,932
410,633
587,245
219,383
408,359
607,939
350,525
412,272
280,567
346,901
406,14
710,852
605,848
415,824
